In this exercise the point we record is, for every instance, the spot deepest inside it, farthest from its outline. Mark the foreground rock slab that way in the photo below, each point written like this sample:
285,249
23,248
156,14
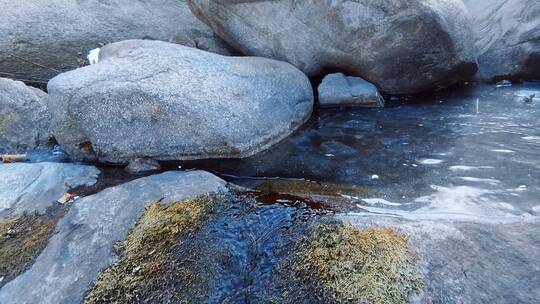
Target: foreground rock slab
42,38
84,239
468,262
400,46
35,187
231,249
169,102
507,37
340,90
24,119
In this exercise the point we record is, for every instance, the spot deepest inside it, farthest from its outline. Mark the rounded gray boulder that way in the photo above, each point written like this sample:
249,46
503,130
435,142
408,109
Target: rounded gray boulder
401,46
24,119
40,39
337,90
169,102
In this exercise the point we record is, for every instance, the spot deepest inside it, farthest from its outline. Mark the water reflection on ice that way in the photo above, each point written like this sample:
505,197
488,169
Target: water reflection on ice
455,203
460,200
431,161
379,201
503,151
491,181
468,168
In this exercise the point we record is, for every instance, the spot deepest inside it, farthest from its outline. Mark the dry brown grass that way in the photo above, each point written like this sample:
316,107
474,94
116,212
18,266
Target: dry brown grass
373,265
22,238
148,265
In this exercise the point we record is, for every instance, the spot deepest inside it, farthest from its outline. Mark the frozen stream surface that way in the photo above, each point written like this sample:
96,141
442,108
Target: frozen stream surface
470,153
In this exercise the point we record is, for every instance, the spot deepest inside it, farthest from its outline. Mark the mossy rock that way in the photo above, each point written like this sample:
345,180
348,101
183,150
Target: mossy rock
373,265
148,270
229,248
22,238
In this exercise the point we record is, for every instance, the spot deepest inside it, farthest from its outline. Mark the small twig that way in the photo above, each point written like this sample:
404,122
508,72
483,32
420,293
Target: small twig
34,63
16,77
13,158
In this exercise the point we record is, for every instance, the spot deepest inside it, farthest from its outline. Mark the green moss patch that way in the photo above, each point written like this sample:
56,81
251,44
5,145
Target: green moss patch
373,265
22,238
149,270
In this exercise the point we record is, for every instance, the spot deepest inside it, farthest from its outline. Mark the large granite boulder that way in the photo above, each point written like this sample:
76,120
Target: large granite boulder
403,46
42,38
24,119
507,34
83,243
338,90
35,187
169,102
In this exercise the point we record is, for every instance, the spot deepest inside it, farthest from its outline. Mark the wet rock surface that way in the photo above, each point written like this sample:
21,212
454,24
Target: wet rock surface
217,107
338,90
243,248
24,118
28,187
507,37
83,241
41,39
380,41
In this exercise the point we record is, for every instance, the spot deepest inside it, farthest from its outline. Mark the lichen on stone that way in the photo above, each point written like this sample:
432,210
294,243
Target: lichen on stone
373,265
148,269
22,238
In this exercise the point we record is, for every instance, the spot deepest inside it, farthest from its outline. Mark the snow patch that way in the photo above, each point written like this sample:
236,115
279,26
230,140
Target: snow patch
93,56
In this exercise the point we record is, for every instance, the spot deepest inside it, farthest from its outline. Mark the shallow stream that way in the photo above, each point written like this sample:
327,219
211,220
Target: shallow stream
469,153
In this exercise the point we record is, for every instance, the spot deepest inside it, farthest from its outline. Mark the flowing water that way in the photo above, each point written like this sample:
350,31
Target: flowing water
469,153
